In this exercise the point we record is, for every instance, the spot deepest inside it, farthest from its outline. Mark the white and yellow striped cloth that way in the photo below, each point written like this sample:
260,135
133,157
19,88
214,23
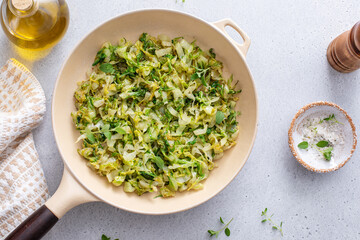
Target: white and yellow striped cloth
22,184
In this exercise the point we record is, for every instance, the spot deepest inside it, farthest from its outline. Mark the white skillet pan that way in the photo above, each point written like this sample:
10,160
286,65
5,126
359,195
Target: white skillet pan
80,184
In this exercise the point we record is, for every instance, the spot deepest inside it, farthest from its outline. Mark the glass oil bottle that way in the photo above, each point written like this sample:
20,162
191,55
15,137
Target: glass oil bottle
34,24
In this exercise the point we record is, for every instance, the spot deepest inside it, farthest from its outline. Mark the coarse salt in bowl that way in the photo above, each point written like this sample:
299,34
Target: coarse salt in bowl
329,124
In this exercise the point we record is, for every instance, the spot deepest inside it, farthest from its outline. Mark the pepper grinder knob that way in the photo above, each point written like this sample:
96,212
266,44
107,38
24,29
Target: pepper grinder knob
343,52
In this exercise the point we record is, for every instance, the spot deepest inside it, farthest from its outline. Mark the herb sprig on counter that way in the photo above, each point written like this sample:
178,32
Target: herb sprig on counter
227,230
104,237
268,219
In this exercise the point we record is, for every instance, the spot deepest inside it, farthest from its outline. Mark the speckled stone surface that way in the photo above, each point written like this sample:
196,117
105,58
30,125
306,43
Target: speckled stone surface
288,62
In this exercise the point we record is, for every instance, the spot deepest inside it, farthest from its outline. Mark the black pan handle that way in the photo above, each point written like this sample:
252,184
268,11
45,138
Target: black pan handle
35,226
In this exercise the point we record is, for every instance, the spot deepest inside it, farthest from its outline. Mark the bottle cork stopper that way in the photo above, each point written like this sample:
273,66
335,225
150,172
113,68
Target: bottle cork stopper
22,5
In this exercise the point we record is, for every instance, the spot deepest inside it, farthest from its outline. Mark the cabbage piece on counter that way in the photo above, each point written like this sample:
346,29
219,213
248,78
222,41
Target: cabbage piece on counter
154,115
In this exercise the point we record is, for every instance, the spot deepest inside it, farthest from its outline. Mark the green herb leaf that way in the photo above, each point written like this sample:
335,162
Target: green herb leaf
303,145
264,212
158,196
159,162
100,56
108,135
143,37
106,68
268,219
203,80
89,135
227,231
212,53
322,144
219,117
211,232
104,237
193,142
148,175
105,131
331,117
120,130
140,56
194,77
329,149
327,155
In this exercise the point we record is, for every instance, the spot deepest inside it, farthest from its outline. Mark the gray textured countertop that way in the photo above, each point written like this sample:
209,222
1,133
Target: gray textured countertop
288,63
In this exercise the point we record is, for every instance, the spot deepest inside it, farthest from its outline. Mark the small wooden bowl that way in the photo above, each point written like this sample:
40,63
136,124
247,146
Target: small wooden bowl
328,108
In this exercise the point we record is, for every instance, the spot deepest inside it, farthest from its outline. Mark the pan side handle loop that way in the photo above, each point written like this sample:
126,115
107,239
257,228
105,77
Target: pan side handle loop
244,47
69,194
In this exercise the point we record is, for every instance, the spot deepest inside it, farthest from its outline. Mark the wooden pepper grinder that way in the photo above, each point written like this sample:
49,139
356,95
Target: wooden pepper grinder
343,52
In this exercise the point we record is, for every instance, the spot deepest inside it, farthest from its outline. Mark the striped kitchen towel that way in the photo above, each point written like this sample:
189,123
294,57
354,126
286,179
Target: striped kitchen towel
22,184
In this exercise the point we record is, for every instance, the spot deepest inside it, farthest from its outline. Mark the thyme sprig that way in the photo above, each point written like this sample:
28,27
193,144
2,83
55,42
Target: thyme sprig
268,219
227,230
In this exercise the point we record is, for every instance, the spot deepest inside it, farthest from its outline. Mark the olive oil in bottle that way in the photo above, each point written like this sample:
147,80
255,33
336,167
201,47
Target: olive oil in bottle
34,24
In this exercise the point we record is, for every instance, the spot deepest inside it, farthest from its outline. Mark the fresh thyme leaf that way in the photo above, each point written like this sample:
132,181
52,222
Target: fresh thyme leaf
100,56
219,117
211,232
227,231
268,218
104,237
140,56
106,68
331,117
106,132
303,145
212,53
264,212
329,149
235,91
193,142
148,175
194,77
143,37
322,144
89,135
327,153
203,81
119,130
